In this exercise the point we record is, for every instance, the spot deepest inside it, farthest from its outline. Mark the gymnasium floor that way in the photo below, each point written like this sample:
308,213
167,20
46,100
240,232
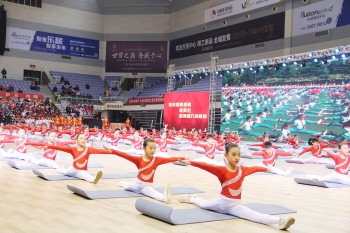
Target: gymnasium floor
32,205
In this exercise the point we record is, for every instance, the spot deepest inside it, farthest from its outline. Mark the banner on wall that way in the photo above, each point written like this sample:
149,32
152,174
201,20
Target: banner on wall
186,110
150,100
52,43
21,95
235,7
254,31
114,106
136,56
321,16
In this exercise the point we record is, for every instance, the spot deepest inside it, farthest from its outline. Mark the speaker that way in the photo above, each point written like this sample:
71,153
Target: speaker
2,30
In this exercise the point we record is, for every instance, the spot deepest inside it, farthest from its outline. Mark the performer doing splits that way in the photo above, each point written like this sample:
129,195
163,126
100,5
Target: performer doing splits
315,151
270,155
341,169
147,165
49,156
80,155
229,200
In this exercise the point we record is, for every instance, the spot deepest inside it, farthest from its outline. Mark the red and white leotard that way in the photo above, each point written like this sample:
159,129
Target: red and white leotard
270,159
316,151
341,165
146,168
231,182
163,144
209,149
81,158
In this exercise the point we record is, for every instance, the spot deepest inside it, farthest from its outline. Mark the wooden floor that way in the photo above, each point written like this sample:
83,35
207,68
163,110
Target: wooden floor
32,205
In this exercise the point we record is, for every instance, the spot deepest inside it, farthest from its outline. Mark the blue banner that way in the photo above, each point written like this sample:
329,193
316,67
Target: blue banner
321,16
31,40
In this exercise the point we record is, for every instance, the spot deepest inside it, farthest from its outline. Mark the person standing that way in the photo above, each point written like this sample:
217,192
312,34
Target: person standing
4,73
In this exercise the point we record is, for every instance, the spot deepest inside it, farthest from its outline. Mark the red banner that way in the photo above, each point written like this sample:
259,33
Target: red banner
21,95
152,100
186,110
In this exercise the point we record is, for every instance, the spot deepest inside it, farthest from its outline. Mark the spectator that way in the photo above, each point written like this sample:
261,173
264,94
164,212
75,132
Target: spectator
76,88
4,73
87,86
54,89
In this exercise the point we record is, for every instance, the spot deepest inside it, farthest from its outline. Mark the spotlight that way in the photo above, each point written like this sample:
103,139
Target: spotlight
333,57
284,64
315,60
337,50
295,63
343,55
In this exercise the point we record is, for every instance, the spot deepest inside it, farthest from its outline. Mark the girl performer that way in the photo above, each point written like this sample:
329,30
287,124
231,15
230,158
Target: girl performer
341,169
231,178
80,155
147,165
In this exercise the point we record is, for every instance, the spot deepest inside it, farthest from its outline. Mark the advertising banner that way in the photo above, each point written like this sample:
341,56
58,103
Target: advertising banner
52,43
136,56
321,16
186,110
21,95
151,100
254,31
235,7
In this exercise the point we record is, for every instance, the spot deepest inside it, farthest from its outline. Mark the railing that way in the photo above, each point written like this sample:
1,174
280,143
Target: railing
138,85
79,100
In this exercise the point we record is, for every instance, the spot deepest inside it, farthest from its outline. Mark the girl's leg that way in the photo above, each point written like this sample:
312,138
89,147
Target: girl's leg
70,171
151,192
84,175
211,204
278,171
249,214
46,162
335,178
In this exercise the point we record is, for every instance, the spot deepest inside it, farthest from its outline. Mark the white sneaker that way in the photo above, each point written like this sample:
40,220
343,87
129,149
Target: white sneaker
167,194
186,199
286,222
122,184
